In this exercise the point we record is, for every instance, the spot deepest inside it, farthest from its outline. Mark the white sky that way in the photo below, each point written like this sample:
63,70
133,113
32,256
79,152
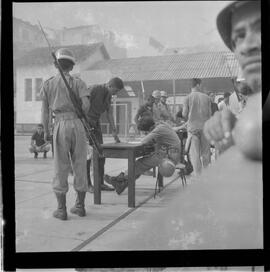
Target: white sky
173,23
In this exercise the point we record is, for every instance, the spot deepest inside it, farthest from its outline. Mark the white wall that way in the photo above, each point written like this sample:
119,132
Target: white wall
28,112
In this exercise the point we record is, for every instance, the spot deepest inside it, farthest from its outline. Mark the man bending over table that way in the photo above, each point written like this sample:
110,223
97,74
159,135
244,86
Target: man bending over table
165,140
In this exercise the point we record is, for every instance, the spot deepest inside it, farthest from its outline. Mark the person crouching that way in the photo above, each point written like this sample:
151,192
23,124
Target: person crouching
38,144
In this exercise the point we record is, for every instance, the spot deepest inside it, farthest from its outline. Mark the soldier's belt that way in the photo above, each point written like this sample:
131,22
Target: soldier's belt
65,116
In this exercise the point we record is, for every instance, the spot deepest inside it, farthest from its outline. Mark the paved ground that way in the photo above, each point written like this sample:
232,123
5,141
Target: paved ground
38,231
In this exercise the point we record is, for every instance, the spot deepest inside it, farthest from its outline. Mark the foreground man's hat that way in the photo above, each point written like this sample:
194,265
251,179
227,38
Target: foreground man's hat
64,53
224,20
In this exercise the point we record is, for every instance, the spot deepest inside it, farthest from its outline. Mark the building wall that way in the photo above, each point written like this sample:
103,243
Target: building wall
28,112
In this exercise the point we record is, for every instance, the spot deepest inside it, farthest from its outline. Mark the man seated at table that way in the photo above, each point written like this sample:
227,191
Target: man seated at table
38,143
166,142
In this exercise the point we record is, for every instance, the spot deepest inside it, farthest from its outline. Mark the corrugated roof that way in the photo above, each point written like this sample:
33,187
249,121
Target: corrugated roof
199,65
42,56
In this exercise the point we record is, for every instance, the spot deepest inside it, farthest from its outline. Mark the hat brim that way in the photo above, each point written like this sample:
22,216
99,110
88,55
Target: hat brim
224,20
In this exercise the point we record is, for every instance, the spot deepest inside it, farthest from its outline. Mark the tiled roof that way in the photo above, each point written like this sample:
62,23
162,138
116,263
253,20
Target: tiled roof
199,65
42,56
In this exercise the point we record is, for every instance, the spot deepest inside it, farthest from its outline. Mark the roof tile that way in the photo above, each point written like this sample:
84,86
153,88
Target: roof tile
201,65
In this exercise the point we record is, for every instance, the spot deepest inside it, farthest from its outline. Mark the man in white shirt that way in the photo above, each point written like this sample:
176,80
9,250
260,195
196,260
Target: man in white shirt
225,103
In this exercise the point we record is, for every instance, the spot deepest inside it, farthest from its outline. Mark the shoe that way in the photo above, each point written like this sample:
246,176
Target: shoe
90,189
120,182
36,155
120,186
78,208
110,180
61,212
45,155
105,187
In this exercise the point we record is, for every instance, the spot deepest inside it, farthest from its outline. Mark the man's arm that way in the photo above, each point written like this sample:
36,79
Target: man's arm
33,142
185,108
45,111
84,96
109,114
150,137
45,118
85,104
138,114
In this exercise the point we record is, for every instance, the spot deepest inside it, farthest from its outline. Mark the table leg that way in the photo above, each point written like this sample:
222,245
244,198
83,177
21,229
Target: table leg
131,179
160,180
97,182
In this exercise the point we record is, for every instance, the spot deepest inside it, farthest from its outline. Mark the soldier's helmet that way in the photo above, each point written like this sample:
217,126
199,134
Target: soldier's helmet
163,93
64,53
224,19
166,167
156,94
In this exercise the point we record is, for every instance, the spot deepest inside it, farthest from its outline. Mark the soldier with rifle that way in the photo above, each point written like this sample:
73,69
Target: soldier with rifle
69,136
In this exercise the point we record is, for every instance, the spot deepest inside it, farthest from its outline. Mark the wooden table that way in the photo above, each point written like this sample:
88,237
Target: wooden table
129,151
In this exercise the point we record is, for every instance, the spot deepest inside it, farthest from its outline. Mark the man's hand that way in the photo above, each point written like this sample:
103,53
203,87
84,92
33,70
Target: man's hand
115,136
218,129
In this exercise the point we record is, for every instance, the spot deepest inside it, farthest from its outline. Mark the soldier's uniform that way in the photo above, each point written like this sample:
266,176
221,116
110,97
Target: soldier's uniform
69,135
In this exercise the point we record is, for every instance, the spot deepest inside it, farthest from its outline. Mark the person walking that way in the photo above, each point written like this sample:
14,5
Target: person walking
197,110
100,97
69,137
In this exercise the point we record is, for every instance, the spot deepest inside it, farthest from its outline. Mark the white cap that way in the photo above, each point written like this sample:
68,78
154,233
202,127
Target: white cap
156,94
163,93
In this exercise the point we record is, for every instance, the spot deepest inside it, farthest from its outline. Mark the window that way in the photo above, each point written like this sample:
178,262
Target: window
28,89
38,84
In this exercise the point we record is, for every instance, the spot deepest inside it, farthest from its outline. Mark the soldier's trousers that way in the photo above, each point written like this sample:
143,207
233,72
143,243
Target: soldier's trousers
70,150
147,162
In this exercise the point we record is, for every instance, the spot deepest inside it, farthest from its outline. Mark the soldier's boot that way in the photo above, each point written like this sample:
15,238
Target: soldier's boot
119,182
36,155
121,185
61,212
78,208
45,155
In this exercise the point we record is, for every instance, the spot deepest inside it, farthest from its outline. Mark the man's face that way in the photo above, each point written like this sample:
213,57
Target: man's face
39,129
226,99
163,99
246,41
157,99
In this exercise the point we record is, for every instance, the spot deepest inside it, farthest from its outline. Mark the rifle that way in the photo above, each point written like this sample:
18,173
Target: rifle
76,103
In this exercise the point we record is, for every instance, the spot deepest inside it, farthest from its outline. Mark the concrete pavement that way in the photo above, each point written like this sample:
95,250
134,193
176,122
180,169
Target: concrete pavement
38,231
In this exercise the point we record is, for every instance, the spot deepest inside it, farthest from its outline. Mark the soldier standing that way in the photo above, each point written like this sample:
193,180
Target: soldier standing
69,137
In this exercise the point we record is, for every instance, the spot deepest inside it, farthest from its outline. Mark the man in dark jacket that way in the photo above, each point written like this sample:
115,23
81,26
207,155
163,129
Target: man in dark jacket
100,97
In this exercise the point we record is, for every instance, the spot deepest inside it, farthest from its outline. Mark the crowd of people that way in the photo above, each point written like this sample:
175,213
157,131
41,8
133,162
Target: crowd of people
207,122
